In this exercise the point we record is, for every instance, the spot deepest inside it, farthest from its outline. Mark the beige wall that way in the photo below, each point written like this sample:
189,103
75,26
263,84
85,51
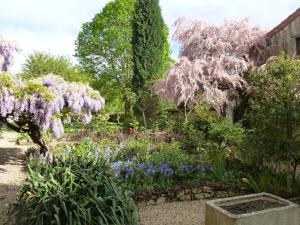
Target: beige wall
285,39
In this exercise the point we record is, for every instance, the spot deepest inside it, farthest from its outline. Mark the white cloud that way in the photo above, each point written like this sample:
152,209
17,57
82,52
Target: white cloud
56,42
53,25
45,25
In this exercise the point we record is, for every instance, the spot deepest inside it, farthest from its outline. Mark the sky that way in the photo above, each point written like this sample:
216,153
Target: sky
53,25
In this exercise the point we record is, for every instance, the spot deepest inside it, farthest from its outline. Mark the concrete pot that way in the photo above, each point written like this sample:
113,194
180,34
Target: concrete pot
286,213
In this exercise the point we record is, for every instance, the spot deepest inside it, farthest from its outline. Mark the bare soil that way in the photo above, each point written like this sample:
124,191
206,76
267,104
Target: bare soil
252,206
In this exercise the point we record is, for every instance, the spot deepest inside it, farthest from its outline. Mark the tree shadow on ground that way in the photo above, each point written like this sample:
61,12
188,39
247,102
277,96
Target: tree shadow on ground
11,156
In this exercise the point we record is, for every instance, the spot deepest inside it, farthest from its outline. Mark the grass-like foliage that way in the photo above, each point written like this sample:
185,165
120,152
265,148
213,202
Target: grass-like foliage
74,191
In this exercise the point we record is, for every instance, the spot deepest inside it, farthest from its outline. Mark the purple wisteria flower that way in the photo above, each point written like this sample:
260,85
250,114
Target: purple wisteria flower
7,50
46,99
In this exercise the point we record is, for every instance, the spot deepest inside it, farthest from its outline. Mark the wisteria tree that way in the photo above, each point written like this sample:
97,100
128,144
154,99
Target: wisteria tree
46,103
41,104
212,61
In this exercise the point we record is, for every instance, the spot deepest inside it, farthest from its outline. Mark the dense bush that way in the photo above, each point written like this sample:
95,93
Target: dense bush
212,137
73,191
274,115
191,137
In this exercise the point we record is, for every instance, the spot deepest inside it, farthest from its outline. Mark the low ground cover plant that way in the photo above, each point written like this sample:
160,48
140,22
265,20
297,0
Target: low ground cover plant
73,191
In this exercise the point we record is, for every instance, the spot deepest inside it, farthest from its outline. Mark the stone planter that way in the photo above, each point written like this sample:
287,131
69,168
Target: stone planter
256,209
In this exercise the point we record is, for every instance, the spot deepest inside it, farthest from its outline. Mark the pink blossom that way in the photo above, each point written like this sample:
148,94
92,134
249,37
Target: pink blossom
212,63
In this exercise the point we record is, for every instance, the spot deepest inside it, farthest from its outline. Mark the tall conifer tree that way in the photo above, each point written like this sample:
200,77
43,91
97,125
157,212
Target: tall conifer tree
148,43
150,52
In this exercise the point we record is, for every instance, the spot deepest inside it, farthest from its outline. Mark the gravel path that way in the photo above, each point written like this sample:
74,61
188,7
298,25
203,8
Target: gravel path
11,170
11,160
174,213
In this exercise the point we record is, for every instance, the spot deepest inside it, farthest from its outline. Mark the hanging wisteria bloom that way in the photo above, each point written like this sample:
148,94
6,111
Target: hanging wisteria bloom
7,50
46,103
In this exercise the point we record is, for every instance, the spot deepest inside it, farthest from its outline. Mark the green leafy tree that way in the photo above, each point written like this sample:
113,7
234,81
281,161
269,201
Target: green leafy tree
275,113
104,49
39,64
151,53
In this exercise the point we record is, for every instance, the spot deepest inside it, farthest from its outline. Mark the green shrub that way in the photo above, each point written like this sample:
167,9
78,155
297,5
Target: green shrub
224,132
191,137
163,121
170,153
274,114
137,150
74,191
204,119
101,124
88,148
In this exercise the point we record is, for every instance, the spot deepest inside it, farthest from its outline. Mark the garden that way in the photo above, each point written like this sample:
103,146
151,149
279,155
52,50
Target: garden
130,127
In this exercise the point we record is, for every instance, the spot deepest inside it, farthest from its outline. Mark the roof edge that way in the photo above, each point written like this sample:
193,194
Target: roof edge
283,24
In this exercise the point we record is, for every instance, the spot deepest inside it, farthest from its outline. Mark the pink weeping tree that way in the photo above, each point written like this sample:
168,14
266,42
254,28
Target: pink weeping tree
212,63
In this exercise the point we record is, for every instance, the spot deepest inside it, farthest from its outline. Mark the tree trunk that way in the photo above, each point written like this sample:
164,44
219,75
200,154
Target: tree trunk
28,127
128,108
144,119
37,138
295,165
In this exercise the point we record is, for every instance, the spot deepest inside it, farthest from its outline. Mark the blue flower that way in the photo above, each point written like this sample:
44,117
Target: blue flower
150,171
166,170
185,168
141,166
128,171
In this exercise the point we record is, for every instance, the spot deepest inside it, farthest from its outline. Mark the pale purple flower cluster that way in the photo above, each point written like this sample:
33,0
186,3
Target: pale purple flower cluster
49,101
7,49
7,100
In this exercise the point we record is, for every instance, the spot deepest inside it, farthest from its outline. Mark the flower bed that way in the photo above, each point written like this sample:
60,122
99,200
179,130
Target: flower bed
157,171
